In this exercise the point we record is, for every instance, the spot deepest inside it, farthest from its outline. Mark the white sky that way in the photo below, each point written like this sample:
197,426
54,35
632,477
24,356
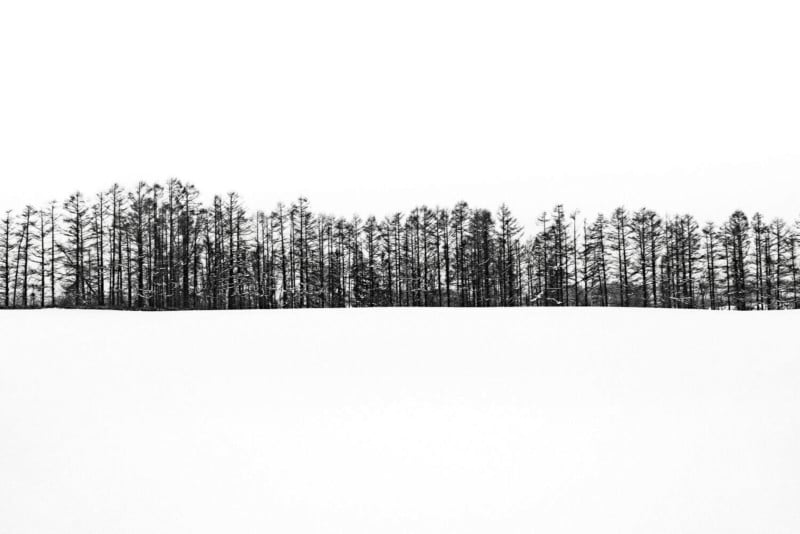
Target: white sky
374,107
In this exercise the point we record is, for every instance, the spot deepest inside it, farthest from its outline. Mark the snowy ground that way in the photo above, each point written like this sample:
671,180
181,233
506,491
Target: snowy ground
390,421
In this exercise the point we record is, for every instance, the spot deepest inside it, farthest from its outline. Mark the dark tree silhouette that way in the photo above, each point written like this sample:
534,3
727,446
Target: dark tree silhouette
159,247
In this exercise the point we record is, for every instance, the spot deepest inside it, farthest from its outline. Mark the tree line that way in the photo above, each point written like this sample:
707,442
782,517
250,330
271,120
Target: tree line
158,247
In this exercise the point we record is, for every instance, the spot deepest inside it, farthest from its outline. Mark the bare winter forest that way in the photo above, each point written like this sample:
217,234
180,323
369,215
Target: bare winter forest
157,246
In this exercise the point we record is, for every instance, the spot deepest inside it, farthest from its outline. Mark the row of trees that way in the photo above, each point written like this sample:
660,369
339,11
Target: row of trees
157,246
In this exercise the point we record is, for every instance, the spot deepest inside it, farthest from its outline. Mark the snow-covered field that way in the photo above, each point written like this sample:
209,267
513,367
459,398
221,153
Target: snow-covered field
399,421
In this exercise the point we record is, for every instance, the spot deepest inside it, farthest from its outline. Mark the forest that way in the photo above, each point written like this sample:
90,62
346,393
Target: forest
158,247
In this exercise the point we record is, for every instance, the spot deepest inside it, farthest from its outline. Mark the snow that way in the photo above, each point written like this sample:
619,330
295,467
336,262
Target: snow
400,420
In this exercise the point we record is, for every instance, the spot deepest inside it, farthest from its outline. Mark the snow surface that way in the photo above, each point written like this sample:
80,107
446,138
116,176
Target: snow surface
399,420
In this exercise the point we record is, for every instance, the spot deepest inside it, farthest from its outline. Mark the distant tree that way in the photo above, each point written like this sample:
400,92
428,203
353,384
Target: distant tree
73,250
43,233
99,212
737,238
507,247
619,249
598,267
573,217
781,262
640,237
53,230
6,267
712,255
139,210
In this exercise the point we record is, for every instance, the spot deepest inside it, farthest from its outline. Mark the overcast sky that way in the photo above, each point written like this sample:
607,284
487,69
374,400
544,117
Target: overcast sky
374,107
